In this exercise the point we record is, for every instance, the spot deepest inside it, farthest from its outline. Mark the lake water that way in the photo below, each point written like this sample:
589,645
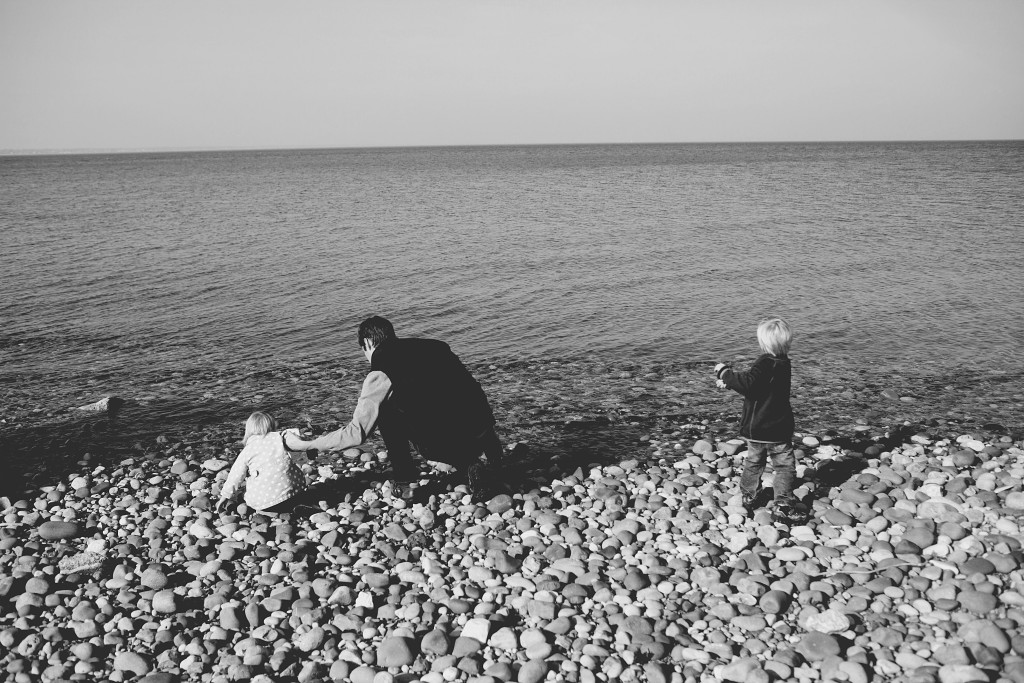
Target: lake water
118,269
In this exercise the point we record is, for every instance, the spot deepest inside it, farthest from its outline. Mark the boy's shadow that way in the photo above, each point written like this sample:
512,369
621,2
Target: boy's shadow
833,473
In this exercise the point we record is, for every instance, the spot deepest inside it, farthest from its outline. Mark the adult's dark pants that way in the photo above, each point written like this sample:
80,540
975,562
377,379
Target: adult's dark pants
458,450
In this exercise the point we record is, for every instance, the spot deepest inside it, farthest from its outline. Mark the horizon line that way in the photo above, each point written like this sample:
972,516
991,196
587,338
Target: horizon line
86,151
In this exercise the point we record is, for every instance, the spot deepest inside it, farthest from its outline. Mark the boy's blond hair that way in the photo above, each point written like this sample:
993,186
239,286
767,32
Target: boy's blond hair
774,336
258,424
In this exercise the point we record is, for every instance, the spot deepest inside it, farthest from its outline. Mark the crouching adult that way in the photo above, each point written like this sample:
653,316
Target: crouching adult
418,393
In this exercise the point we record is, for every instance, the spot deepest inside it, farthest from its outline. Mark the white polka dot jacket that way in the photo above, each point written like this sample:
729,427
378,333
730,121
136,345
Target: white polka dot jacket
271,476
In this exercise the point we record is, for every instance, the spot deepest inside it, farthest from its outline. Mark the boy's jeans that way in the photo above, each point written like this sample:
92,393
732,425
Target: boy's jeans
783,462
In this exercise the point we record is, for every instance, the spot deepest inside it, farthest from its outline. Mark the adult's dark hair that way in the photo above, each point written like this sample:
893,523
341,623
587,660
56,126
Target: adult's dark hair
375,330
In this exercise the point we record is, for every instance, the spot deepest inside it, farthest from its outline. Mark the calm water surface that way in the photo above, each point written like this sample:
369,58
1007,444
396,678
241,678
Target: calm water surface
120,268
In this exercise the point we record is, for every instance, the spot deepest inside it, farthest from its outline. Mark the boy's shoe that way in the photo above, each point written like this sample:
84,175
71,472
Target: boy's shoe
788,514
751,503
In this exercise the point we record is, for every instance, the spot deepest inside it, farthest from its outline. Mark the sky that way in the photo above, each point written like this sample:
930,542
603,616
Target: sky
227,74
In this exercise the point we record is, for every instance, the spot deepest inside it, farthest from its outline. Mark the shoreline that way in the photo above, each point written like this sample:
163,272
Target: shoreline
578,403
617,549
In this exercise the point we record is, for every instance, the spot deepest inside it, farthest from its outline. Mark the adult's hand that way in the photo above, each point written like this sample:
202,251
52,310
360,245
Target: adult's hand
293,443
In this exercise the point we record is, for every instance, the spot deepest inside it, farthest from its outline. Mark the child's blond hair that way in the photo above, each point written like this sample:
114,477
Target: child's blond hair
774,336
258,424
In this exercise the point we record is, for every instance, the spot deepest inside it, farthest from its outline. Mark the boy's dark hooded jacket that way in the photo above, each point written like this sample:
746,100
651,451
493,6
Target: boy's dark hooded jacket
767,413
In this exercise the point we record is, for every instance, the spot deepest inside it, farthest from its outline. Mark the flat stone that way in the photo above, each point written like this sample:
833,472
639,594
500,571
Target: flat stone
159,677
977,565
57,531
499,504
838,517
961,673
829,621
754,623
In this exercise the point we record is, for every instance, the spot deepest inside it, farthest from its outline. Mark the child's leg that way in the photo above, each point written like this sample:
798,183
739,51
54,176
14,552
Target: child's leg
753,468
784,464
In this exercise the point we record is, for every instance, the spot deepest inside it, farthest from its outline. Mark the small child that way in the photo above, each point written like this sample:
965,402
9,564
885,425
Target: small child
767,422
272,478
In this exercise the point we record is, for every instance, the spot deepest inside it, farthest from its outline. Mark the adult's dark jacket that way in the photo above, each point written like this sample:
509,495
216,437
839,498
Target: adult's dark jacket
437,396
767,413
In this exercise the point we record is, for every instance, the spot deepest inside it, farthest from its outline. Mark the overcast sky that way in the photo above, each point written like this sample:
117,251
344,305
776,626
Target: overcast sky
188,74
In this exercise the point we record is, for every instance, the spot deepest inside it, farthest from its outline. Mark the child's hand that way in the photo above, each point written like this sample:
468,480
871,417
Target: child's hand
720,384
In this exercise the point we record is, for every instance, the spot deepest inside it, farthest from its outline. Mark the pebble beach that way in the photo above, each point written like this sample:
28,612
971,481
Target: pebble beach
615,546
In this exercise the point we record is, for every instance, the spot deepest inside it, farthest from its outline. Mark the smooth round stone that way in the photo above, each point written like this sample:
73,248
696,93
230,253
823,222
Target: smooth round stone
964,458
635,581
775,602
977,602
952,530
57,531
436,643
504,639
790,554
920,537
499,504
1014,500
539,651
153,578
37,585
533,671
165,602
752,623
816,646
977,565
395,651
838,517
131,661
363,674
